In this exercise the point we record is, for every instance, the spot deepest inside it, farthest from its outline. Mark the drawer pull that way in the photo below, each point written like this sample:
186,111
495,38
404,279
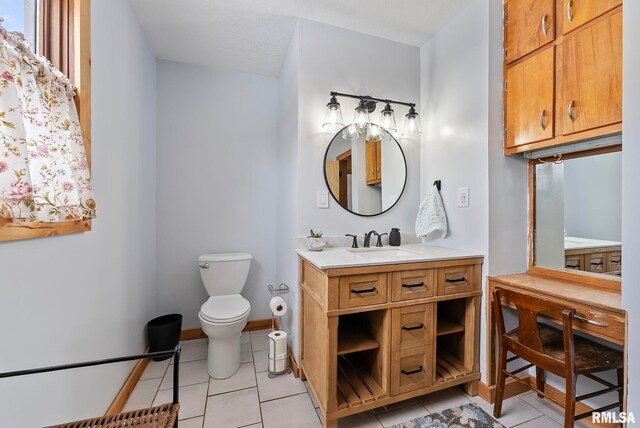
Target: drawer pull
410,372
415,327
592,322
364,290
463,279
576,266
597,263
420,284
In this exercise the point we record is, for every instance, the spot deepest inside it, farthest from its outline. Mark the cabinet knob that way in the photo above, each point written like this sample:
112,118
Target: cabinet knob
569,15
543,24
570,111
541,118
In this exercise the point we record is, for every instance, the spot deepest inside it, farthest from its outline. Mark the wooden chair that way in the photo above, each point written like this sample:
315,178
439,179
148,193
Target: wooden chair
163,416
553,350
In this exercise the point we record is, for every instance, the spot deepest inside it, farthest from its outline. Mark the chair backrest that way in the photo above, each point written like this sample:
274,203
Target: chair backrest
528,309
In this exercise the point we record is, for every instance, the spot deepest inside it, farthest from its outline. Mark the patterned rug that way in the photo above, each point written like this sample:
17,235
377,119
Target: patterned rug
468,415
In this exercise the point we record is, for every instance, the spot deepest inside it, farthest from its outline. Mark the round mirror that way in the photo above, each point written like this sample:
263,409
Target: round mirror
366,174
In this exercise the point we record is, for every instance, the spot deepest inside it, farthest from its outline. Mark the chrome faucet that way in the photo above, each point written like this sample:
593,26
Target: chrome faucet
367,238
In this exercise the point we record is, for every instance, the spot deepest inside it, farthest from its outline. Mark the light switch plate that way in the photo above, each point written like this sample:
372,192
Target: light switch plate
323,199
463,197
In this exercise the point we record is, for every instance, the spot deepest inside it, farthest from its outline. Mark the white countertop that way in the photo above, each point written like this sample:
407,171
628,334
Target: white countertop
573,243
331,258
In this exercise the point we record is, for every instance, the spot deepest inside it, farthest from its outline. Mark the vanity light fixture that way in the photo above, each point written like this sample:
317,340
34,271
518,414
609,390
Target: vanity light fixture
333,114
411,123
361,122
388,119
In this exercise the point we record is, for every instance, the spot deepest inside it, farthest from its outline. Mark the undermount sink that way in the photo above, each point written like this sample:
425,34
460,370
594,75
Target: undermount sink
381,253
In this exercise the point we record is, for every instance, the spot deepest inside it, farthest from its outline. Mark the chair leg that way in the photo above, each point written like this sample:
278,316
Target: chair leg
620,373
570,401
540,380
502,367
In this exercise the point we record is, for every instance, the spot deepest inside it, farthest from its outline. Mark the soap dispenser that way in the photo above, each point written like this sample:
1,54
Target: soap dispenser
394,237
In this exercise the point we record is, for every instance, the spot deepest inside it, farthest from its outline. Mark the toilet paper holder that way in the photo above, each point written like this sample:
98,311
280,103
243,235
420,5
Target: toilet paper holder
272,363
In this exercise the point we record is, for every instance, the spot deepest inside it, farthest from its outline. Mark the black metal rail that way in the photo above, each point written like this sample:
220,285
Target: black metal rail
175,353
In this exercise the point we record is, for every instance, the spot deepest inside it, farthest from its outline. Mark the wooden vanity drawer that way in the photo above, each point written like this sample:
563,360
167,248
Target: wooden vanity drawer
614,261
363,290
455,279
601,323
412,326
412,284
411,369
595,262
575,262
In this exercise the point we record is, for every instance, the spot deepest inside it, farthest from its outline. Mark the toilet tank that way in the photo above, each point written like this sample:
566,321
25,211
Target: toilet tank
225,273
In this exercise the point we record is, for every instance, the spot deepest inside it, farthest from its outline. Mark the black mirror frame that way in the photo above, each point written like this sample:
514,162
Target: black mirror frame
326,181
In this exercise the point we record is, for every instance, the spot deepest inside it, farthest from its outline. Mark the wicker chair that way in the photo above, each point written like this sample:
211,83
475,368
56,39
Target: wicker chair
163,416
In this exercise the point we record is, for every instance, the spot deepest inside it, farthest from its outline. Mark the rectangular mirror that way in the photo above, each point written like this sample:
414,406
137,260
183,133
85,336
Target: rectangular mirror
577,209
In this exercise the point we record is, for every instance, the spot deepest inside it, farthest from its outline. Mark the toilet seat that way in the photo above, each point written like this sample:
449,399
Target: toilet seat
225,309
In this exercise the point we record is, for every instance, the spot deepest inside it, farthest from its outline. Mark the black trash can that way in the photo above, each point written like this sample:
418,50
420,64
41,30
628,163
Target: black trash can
164,333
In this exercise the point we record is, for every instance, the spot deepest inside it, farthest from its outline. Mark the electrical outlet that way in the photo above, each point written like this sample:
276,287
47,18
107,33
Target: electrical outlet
322,199
463,197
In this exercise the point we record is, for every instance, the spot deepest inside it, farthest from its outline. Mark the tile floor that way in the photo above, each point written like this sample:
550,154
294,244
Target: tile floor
250,399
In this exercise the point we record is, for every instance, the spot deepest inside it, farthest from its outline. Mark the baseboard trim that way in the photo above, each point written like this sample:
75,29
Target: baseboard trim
125,392
513,388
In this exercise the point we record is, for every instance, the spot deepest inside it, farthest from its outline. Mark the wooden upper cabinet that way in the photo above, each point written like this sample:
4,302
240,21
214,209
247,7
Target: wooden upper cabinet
579,12
529,25
530,100
592,75
373,157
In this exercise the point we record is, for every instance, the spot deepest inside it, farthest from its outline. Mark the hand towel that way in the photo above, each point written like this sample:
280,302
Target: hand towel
432,219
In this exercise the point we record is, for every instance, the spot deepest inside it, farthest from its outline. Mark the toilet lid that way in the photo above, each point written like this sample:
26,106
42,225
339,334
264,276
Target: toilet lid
224,309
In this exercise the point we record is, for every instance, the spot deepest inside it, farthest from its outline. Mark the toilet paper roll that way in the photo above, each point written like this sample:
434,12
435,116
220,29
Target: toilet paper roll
277,350
278,306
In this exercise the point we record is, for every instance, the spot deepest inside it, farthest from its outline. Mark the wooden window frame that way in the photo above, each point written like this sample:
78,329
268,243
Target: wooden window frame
74,35
587,278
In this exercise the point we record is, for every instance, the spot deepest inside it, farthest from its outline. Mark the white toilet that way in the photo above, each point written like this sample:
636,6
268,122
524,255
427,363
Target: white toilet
225,314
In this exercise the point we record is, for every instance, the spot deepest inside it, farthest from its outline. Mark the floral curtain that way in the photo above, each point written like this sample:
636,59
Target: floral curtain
44,172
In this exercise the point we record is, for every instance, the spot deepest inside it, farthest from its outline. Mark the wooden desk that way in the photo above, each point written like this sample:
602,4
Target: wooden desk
601,307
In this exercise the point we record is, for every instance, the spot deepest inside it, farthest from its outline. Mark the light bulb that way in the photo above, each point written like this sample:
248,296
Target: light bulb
411,123
361,117
333,114
388,119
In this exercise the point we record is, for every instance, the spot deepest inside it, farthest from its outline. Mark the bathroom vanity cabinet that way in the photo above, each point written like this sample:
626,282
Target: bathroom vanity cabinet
377,334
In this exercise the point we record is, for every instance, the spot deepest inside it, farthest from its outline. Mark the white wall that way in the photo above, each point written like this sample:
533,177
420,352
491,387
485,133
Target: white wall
354,63
88,296
217,181
631,197
287,214
461,79
593,197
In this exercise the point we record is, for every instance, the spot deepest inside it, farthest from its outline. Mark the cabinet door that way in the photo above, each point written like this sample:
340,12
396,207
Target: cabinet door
529,26
579,12
379,161
592,76
529,95
371,159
